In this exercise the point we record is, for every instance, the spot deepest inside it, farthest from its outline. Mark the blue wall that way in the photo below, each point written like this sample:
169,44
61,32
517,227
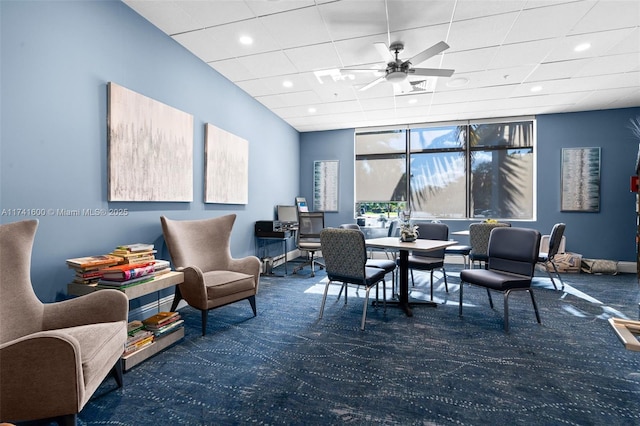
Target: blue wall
57,58
609,234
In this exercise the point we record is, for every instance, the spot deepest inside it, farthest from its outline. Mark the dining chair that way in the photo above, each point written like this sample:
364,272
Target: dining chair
555,240
345,256
308,239
432,260
389,266
513,254
479,241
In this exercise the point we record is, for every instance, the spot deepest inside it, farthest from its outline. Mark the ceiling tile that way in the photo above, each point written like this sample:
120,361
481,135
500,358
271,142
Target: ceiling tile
296,28
212,13
314,57
268,64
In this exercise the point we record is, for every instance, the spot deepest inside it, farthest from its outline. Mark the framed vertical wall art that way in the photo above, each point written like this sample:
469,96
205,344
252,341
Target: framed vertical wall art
226,167
580,190
325,186
150,149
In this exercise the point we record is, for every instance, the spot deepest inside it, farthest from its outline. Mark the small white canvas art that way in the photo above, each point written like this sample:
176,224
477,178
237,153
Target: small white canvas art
226,168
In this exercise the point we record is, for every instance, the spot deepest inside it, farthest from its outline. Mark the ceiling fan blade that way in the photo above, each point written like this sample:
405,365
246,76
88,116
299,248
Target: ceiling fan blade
428,53
383,51
373,83
371,70
431,72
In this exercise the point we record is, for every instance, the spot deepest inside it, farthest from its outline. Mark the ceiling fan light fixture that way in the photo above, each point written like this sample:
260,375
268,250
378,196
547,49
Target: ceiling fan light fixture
396,76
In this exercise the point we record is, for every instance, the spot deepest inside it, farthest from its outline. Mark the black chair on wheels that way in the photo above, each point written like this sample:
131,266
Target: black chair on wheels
513,254
345,255
308,238
429,261
555,239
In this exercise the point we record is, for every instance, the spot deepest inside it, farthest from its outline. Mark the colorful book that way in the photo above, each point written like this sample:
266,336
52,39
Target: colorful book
135,247
102,260
159,318
121,284
128,271
162,324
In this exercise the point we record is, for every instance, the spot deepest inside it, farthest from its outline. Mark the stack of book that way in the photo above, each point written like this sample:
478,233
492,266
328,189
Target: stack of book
163,323
135,253
137,337
88,270
126,275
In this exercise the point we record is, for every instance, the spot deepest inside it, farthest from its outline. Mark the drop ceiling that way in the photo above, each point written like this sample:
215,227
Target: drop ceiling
511,57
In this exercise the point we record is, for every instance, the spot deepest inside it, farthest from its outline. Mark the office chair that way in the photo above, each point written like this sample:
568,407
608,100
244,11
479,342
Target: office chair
513,254
555,239
308,238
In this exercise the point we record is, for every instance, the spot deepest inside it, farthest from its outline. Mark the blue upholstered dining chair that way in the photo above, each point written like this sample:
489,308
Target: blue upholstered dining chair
345,257
434,259
479,241
512,257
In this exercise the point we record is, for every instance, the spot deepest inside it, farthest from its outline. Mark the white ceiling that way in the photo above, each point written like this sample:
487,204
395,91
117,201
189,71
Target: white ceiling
504,48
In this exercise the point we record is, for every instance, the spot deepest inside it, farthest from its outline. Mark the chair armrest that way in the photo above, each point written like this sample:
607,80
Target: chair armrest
97,307
250,265
192,288
41,376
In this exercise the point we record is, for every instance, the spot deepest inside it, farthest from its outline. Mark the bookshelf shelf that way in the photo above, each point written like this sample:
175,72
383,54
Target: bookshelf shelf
159,283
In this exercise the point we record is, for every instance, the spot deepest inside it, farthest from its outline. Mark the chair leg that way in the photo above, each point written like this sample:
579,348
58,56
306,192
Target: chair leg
364,309
252,301
176,299
431,285
66,420
460,308
324,298
204,313
446,285
558,274
116,371
490,299
384,295
535,306
546,267
506,311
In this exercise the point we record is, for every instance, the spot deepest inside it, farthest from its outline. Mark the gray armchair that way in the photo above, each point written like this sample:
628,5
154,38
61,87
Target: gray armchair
53,356
212,278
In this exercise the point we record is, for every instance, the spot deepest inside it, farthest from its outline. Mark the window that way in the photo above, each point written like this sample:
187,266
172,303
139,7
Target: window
456,171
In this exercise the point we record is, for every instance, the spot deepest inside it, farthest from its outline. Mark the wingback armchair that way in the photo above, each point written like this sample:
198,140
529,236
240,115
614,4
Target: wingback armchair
212,278
53,356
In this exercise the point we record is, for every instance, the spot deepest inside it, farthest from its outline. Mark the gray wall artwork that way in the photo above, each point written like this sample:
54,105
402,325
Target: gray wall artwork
581,179
227,167
150,149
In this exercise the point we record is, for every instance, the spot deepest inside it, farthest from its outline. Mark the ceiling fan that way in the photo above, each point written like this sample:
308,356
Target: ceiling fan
397,71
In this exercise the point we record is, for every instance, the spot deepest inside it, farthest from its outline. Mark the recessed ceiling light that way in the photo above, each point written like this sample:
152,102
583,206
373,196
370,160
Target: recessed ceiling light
458,82
287,83
582,47
246,40
413,101
536,88
312,110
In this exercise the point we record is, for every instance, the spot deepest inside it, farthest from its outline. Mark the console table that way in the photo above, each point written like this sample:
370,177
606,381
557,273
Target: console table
161,282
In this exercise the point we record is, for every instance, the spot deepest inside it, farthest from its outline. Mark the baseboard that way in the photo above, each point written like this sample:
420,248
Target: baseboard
145,311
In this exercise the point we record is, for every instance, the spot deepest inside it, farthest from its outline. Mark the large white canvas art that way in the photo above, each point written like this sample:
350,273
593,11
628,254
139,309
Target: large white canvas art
150,149
226,168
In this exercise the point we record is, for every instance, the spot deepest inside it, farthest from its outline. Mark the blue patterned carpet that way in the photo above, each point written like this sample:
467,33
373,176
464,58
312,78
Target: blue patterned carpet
286,367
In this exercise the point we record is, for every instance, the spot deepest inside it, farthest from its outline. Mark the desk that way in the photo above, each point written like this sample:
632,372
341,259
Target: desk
282,236
463,232
404,249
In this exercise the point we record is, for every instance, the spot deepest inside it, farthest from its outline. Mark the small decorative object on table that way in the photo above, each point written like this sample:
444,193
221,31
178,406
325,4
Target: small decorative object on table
408,232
